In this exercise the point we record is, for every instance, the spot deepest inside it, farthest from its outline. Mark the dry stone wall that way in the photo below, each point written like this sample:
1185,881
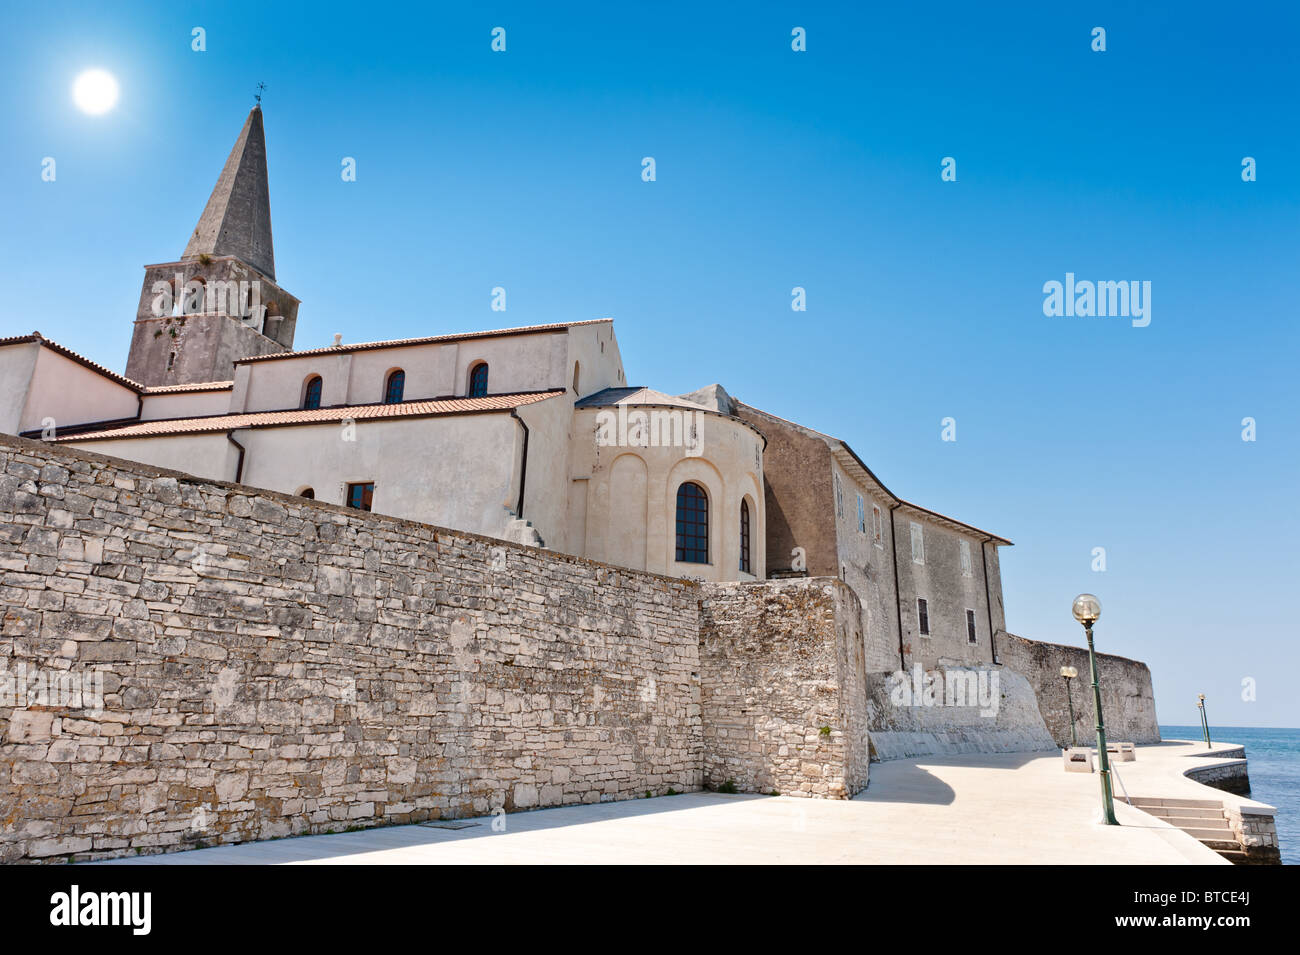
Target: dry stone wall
783,688
271,665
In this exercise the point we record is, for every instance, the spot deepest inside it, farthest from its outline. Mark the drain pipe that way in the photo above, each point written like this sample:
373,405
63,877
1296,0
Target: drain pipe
988,598
523,464
898,598
239,464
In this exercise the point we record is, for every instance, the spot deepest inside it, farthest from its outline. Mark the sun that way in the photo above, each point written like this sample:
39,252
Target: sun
95,92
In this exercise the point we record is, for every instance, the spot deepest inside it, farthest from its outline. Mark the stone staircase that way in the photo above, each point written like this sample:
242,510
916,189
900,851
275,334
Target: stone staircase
1203,819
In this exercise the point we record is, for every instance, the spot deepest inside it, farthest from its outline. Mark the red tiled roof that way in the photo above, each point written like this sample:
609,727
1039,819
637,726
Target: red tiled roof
432,339
269,419
69,353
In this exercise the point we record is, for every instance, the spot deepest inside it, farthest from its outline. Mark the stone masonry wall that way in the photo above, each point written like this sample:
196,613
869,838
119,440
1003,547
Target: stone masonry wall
783,688
1127,701
272,665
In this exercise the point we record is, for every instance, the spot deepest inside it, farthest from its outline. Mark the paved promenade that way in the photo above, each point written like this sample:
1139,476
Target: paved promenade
1006,808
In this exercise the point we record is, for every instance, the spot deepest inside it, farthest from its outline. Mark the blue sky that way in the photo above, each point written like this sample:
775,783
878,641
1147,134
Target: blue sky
775,169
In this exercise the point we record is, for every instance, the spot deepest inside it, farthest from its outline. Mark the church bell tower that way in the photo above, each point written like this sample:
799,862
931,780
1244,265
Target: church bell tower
220,301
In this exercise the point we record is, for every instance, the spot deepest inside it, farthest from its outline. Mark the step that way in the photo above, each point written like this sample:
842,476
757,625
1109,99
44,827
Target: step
1145,802
1199,824
1167,812
1204,834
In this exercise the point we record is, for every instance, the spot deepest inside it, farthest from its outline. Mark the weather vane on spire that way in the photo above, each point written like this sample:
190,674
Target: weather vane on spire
258,95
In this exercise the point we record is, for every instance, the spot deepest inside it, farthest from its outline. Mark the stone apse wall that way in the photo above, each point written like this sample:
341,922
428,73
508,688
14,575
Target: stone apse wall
1127,701
271,666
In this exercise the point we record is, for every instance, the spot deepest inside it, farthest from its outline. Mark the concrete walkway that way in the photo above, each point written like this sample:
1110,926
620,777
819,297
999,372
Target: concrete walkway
1004,808
1159,771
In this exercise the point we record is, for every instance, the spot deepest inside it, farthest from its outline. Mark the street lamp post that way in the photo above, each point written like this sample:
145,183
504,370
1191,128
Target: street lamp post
1087,609
1068,674
1205,723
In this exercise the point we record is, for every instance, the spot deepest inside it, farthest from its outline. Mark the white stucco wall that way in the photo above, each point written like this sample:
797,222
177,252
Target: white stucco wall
70,393
546,491
17,363
203,455
533,361
429,369
185,404
593,349
454,471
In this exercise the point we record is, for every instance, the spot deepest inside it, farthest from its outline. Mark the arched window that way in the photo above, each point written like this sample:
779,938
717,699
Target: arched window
311,394
308,493
478,380
744,536
692,524
394,388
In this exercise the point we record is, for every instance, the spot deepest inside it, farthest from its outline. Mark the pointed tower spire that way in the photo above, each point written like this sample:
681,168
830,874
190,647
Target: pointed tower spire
237,219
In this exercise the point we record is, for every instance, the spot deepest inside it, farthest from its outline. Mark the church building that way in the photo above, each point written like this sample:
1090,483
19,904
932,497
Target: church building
529,434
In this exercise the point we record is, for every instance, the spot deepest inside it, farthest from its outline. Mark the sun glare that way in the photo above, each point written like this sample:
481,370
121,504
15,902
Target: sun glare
95,92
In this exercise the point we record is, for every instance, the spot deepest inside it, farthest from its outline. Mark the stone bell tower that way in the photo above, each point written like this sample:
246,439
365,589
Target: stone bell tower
220,302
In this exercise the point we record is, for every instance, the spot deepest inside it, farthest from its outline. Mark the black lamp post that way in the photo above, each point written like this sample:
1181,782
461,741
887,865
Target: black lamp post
1205,723
1068,674
1087,609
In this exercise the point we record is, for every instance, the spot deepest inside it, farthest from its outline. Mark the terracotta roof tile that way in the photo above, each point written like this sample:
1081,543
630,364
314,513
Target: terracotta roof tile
266,419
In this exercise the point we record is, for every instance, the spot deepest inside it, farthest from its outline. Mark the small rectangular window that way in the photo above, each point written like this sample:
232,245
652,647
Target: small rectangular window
876,525
360,496
966,570
970,626
923,615
918,544
862,515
